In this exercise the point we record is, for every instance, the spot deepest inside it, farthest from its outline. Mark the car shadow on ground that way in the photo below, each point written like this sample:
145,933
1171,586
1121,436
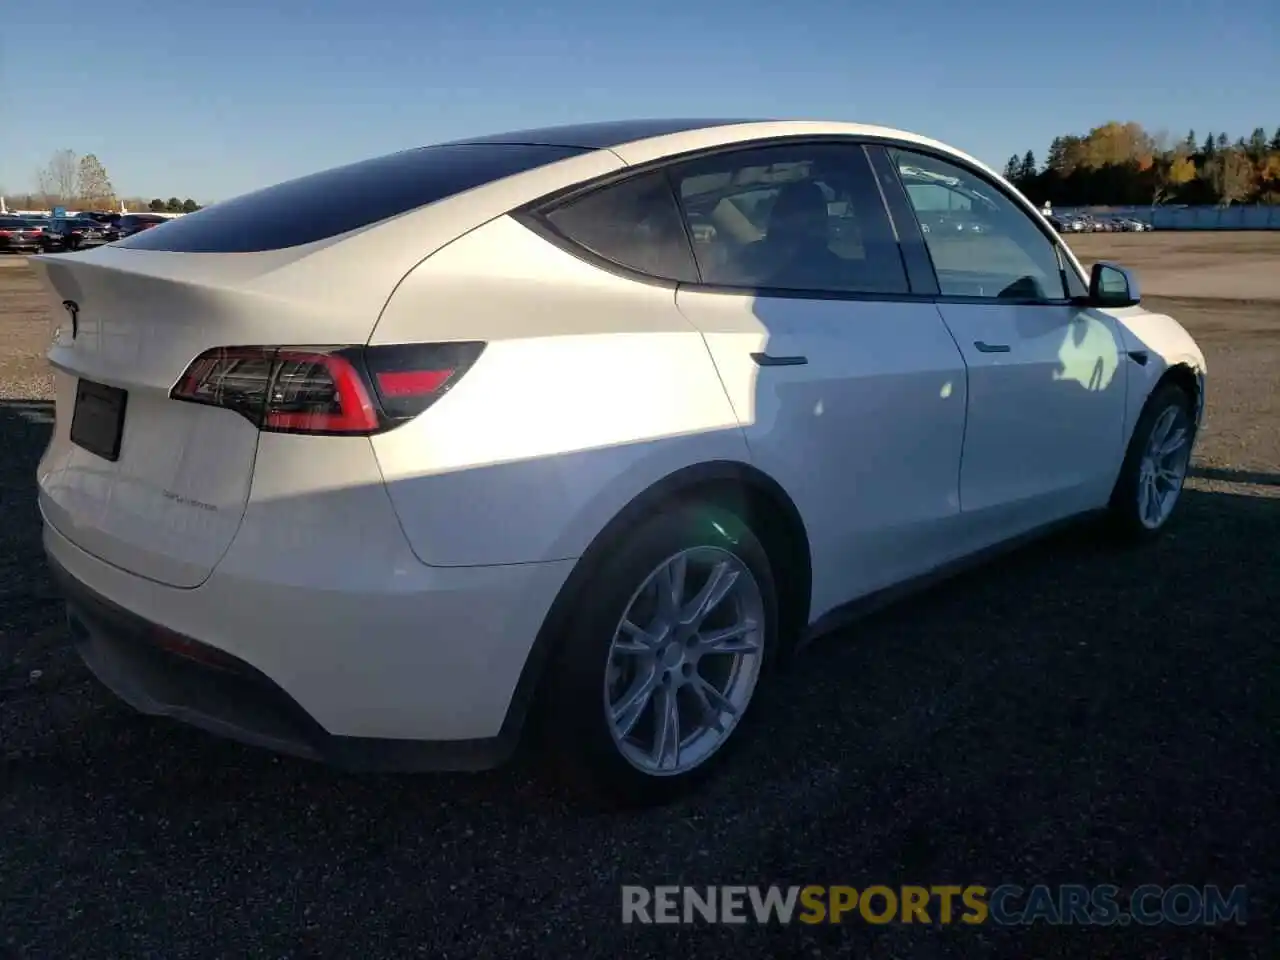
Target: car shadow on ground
1071,713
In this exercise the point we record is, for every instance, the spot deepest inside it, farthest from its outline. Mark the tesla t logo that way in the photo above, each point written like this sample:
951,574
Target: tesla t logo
73,310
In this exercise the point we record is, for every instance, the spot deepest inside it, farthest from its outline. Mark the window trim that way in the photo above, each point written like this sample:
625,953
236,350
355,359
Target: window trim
1055,242
531,215
915,253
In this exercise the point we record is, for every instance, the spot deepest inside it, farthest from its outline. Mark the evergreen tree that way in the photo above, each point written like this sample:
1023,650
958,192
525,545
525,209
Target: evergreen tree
1258,143
1027,169
1012,169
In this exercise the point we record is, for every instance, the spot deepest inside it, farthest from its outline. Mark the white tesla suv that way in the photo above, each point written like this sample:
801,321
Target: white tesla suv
591,423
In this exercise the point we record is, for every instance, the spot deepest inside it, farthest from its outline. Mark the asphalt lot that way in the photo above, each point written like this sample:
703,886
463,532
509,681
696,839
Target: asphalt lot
1071,714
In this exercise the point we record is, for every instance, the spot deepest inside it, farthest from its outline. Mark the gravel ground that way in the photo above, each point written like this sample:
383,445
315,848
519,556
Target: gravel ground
1070,714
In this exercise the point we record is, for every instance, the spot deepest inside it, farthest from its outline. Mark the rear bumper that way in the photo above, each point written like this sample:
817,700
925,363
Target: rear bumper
317,681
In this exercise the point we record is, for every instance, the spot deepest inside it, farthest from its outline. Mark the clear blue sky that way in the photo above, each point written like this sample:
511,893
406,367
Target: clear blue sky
223,97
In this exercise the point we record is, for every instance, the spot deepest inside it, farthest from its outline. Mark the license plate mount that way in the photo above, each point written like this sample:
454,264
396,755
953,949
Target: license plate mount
97,424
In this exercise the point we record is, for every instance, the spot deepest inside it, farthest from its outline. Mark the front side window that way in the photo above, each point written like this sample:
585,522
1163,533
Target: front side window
983,244
635,224
805,217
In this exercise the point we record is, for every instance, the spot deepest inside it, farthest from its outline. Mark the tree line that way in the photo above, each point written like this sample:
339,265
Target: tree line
81,183
1121,164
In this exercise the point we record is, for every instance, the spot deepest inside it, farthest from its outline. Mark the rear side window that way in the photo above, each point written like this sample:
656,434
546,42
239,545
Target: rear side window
635,224
332,202
806,217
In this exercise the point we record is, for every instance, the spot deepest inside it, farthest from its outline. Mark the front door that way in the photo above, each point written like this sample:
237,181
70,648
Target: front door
1045,375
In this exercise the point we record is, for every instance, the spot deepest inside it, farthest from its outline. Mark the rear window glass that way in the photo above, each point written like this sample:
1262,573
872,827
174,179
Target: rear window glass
329,203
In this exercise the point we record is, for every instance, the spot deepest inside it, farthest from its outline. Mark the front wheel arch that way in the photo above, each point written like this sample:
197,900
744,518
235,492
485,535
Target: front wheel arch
1185,378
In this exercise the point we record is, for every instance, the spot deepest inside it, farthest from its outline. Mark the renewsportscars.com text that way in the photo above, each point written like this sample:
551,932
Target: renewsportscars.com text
1005,905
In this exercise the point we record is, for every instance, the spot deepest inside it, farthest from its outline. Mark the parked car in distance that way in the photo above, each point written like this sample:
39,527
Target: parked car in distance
75,234
562,457
99,216
132,223
19,235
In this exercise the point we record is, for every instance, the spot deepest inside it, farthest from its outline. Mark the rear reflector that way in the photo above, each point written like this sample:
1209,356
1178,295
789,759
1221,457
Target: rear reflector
407,384
326,390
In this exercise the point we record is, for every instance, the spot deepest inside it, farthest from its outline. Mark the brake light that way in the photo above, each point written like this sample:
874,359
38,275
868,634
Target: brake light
6,233
326,390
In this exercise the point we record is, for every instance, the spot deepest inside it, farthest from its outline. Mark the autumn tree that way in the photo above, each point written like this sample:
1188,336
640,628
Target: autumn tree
1116,144
1179,171
59,178
94,187
1231,175
1269,178
1065,155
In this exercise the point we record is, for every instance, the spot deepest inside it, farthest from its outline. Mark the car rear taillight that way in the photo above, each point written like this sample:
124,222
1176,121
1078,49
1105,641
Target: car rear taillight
326,390
6,233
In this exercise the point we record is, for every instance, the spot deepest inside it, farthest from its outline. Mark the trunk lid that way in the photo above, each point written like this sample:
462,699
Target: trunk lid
168,507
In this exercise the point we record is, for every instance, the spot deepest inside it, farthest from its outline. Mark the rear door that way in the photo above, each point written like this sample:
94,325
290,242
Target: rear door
850,391
1047,386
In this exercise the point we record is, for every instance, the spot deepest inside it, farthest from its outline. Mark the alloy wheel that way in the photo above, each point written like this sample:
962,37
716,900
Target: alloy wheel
684,660
1163,468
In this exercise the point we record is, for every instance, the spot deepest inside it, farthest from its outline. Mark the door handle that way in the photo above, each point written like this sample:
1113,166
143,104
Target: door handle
984,347
766,360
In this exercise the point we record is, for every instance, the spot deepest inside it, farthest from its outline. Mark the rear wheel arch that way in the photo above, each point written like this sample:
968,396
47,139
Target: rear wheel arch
751,495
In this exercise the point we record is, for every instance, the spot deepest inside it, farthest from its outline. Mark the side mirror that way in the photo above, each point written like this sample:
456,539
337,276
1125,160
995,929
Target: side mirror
1113,286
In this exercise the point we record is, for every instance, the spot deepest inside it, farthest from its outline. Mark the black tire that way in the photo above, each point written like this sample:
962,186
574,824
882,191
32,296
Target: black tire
575,730
1124,511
